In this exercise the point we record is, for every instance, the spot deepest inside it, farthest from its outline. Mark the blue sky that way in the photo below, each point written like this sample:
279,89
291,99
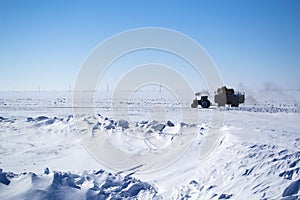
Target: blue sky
44,43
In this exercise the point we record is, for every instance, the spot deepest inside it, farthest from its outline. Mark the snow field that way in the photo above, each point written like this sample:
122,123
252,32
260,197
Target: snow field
256,157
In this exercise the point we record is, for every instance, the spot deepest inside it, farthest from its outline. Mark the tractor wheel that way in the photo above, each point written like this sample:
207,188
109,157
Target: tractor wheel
205,104
235,105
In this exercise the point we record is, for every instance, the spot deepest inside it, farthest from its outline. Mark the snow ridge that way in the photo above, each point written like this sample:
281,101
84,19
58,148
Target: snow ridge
66,185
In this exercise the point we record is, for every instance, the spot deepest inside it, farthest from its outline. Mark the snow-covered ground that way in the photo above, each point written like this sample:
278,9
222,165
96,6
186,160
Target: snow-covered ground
257,155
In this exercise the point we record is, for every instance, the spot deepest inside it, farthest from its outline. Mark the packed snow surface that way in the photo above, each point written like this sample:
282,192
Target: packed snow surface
257,154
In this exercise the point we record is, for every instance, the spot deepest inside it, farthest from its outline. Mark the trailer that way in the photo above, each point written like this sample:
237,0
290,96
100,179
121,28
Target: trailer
228,96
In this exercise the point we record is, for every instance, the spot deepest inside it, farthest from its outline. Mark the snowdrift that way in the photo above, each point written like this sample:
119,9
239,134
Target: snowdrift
66,185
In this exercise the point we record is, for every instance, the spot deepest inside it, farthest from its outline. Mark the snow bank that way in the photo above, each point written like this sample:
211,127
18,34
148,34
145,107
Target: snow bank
66,185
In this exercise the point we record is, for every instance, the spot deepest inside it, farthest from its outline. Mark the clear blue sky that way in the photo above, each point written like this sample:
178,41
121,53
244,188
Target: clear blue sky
45,42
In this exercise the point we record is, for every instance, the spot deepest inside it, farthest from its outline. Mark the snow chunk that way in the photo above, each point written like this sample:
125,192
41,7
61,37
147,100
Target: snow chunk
3,178
123,123
30,119
135,189
109,126
292,189
158,127
50,121
46,171
41,118
169,123
225,196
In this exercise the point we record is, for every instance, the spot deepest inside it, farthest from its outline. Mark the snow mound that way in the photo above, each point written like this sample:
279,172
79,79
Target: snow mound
142,127
66,185
4,119
243,173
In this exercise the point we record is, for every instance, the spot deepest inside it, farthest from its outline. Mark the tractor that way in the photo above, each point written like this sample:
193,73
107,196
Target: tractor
223,96
203,101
